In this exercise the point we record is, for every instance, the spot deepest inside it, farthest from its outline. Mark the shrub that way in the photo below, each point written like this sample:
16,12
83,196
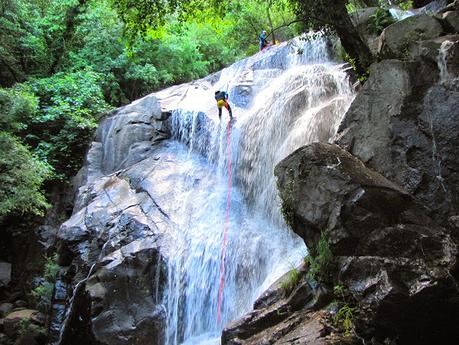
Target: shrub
21,178
379,21
44,292
17,108
344,319
319,264
70,106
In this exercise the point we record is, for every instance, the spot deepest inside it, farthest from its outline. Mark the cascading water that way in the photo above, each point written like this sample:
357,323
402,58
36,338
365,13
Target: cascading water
285,97
432,7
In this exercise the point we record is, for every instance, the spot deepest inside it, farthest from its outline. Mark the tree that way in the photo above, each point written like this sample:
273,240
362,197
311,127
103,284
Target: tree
140,15
333,14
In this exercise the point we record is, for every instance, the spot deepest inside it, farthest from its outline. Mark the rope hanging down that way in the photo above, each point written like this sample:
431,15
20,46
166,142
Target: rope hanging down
226,227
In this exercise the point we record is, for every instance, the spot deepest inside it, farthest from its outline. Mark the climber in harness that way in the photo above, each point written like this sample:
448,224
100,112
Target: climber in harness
263,40
222,101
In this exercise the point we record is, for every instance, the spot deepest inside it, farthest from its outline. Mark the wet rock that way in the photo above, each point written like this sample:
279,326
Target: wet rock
275,309
451,19
403,125
389,253
120,300
113,248
428,50
395,39
5,273
125,137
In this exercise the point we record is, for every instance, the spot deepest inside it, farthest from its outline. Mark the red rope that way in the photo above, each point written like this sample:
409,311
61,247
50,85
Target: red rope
225,231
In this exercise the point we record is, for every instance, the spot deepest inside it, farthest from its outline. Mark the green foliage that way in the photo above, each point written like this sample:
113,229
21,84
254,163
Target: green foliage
21,178
27,327
406,5
17,108
379,21
290,281
140,15
363,76
339,290
344,319
70,105
44,292
319,264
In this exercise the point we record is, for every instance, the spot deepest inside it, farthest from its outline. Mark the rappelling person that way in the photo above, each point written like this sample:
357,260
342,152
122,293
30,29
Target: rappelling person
263,40
222,101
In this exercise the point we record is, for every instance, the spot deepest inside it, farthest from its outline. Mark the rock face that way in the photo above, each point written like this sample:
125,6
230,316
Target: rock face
395,39
112,247
118,297
127,136
392,257
285,317
404,125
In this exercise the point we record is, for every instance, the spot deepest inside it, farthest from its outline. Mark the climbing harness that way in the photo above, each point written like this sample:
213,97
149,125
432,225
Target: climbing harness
226,227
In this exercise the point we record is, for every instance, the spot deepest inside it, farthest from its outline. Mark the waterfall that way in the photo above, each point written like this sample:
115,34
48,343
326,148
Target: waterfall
442,61
283,98
431,8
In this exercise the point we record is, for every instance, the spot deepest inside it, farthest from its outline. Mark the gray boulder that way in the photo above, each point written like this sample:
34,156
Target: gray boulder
451,20
429,50
392,257
395,39
287,317
120,301
404,126
126,137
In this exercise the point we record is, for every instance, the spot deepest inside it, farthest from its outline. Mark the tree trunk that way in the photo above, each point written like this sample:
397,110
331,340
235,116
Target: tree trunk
350,38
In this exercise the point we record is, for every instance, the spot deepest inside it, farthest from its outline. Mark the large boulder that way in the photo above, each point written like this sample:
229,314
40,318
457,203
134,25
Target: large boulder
326,190
431,51
14,321
451,20
120,301
395,39
392,257
125,137
403,124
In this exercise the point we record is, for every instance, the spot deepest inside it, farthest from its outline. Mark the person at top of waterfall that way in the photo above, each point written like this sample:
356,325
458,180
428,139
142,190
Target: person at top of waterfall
222,101
263,40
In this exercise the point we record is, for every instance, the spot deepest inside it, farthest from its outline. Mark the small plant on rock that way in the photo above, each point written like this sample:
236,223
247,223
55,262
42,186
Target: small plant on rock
44,292
290,281
379,21
344,319
319,264
406,5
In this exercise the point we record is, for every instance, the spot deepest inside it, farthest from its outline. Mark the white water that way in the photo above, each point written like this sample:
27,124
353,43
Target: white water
432,7
282,100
